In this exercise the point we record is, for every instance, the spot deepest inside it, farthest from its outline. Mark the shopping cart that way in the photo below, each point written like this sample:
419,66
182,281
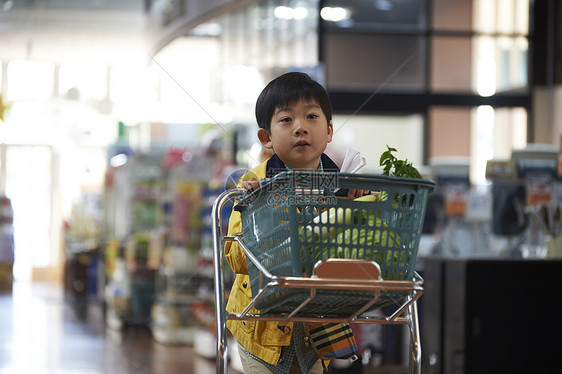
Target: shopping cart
315,256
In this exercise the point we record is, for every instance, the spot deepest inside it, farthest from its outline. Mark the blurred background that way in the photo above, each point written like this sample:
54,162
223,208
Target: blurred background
122,120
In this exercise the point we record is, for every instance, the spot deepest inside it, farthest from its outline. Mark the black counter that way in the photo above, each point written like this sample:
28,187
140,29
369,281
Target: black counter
492,316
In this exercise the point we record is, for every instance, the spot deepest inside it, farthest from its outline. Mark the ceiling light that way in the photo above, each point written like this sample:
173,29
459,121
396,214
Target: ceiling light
334,14
300,13
283,12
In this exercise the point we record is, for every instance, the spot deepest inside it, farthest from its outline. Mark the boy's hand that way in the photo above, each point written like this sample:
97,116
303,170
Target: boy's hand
357,193
251,184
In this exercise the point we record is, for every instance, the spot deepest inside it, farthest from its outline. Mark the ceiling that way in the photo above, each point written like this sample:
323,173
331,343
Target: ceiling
72,29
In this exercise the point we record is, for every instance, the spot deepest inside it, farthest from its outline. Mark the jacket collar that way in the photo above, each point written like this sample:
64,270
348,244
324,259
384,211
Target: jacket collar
276,166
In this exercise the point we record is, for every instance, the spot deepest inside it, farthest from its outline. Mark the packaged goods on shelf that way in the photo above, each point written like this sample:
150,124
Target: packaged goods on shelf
118,290
84,276
6,231
173,323
6,244
158,208
6,276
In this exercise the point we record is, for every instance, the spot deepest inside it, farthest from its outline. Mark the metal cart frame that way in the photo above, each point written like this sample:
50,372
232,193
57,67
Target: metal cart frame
405,314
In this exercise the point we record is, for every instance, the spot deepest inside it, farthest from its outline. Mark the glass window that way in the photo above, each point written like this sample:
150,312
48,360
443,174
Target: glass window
30,80
501,16
29,186
79,81
185,88
510,131
500,64
271,35
481,133
388,15
483,64
495,133
368,60
126,83
349,131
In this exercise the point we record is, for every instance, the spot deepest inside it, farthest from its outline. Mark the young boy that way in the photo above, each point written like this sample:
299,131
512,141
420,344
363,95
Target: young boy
294,116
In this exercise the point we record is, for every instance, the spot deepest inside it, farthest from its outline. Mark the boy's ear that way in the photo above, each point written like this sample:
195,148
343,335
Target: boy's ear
264,138
330,131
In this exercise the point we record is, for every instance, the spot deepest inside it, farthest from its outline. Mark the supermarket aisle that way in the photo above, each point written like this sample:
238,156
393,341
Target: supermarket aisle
40,333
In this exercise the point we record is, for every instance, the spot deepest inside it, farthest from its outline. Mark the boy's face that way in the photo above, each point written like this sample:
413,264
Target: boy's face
298,134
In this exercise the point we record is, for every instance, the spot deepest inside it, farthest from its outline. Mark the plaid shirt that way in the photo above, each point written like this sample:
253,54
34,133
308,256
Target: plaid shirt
306,356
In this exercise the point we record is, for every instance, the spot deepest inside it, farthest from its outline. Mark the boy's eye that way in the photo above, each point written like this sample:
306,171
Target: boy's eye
286,119
312,116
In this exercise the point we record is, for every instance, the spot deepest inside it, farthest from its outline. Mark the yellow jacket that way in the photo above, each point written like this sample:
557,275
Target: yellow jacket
263,339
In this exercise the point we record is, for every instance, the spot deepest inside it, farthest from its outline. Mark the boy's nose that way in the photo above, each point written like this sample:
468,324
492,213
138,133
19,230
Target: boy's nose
300,128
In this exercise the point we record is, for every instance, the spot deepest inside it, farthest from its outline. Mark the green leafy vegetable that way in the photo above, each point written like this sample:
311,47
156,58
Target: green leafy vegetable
395,167
362,233
361,229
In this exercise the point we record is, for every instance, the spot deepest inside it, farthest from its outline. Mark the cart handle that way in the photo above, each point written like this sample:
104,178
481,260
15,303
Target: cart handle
218,244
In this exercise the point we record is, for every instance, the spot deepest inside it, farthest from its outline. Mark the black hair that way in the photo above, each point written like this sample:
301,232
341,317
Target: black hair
288,89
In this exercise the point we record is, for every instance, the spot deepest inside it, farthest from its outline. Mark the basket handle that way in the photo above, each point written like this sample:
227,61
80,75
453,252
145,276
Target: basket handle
342,268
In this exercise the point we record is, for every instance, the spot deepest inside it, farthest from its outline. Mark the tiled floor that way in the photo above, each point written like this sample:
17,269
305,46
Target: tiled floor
41,333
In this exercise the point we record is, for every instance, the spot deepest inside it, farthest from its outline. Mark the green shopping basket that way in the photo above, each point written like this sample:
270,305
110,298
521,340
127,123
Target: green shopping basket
297,219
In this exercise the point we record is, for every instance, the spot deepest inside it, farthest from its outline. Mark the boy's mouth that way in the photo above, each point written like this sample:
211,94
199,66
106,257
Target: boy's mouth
302,143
